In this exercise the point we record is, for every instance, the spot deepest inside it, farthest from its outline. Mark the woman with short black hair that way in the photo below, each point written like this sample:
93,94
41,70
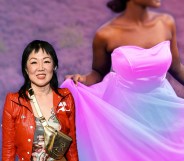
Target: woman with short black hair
22,131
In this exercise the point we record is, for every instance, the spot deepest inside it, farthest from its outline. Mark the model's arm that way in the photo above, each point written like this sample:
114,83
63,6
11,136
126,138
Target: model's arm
177,68
101,64
72,154
8,132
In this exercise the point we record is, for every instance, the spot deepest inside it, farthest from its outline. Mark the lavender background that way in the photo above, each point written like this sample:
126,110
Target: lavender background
69,25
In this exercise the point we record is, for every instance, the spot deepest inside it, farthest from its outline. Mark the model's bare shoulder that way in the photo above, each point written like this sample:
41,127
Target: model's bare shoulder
167,19
101,36
104,31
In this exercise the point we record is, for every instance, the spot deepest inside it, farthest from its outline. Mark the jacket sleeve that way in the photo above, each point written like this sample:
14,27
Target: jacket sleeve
72,154
8,131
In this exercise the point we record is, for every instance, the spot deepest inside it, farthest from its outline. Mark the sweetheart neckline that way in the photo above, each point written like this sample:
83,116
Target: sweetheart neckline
139,47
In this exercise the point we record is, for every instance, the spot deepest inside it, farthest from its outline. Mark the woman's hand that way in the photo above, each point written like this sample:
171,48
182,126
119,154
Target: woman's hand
77,78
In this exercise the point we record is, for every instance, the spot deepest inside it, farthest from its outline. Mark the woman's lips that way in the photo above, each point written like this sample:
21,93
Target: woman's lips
41,76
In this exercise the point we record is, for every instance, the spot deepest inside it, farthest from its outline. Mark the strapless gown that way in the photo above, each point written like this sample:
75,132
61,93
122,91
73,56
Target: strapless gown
134,113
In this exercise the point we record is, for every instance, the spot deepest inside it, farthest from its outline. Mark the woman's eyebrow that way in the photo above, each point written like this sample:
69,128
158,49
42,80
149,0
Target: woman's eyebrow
47,57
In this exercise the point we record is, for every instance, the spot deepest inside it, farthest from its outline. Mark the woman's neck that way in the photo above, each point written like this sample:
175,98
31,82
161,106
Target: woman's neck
41,91
136,13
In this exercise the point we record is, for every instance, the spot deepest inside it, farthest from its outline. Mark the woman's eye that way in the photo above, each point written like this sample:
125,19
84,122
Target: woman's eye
33,62
46,61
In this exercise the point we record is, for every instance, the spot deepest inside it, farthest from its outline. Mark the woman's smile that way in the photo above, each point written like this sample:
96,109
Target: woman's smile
41,76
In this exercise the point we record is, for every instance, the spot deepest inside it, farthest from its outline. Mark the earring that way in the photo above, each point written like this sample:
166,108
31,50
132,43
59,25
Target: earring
55,68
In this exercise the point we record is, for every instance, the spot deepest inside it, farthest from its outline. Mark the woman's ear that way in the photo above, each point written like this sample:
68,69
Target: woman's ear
55,68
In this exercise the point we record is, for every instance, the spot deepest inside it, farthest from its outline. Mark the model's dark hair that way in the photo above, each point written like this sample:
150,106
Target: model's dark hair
35,46
117,5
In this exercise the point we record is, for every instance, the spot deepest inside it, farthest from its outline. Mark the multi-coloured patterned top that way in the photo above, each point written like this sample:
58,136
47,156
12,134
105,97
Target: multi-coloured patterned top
38,152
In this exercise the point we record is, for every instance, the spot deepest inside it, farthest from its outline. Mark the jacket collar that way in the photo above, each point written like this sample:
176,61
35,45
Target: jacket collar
26,103
56,99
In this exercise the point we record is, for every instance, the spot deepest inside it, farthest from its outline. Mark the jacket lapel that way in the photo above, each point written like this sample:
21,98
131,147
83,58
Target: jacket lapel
22,102
56,100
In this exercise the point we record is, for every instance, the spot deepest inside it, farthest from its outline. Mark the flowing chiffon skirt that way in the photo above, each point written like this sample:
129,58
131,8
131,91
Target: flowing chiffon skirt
122,125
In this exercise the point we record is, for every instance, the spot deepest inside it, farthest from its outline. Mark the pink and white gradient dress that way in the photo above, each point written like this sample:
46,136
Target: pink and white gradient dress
134,113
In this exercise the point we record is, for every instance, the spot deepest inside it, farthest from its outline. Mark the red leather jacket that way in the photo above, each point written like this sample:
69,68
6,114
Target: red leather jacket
18,125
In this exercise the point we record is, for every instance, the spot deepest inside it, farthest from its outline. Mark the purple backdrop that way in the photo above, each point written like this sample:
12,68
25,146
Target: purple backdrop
67,24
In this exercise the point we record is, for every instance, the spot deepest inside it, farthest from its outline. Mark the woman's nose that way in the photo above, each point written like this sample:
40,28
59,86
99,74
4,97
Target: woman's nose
41,67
